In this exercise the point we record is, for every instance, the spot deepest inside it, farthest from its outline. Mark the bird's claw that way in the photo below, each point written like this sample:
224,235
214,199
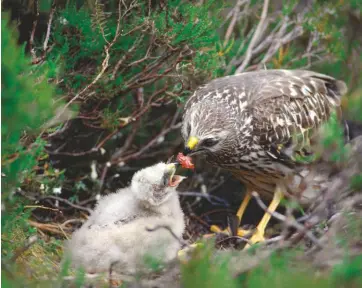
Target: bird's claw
257,237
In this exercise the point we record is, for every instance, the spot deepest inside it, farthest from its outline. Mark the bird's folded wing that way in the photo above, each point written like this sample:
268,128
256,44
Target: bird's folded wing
289,110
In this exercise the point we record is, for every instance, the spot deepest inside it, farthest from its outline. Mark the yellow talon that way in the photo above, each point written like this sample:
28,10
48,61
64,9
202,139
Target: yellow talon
258,235
239,215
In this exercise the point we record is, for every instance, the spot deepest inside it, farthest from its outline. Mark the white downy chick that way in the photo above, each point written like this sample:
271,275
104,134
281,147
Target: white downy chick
116,231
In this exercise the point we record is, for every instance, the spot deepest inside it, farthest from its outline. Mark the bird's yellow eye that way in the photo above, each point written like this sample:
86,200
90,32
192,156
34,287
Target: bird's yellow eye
192,142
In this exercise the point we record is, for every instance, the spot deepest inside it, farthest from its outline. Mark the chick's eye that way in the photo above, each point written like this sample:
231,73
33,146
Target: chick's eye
209,142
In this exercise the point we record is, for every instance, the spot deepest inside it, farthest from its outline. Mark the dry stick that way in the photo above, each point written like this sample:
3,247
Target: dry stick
234,19
255,39
295,33
51,15
263,45
181,241
71,221
67,202
61,228
42,207
287,221
139,99
115,157
208,197
48,227
31,241
32,35
119,151
149,144
125,56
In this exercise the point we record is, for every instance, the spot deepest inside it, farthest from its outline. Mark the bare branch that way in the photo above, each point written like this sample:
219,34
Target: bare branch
67,202
125,56
258,32
287,221
147,146
235,13
51,15
32,35
105,64
208,197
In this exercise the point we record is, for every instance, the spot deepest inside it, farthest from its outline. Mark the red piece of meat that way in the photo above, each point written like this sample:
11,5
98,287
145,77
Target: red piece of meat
185,161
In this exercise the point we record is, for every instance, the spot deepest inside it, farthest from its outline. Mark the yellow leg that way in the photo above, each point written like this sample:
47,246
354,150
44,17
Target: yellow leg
260,229
243,206
239,214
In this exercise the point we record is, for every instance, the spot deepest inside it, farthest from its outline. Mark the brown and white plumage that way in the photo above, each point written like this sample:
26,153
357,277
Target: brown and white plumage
241,122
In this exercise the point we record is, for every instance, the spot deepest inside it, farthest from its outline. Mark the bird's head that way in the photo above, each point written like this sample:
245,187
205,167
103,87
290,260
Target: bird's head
209,129
155,184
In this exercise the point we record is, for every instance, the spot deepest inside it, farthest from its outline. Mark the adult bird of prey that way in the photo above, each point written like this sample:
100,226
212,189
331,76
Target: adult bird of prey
255,124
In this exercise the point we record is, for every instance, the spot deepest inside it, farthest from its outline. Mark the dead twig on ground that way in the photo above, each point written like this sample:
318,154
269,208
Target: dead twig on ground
287,221
53,228
182,242
42,207
18,252
66,202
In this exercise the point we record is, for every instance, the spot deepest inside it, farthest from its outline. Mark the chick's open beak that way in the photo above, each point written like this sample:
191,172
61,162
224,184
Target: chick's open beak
190,145
169,177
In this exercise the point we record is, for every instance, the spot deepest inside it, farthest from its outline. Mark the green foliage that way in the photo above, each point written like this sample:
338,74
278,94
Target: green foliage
333,140
26,106
207,270
167,52
40,258
27,103
277,272
349,272
80,38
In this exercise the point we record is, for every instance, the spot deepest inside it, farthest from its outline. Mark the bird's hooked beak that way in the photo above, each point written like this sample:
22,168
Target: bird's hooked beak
190,145
169,178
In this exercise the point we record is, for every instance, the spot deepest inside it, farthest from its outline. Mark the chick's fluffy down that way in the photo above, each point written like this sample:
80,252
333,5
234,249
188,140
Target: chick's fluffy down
116,231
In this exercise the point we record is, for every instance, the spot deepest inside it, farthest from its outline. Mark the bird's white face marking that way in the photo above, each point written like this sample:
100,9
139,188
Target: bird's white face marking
243,104
216,129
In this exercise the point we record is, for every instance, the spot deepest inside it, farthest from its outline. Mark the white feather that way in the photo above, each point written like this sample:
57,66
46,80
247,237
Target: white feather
116,229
